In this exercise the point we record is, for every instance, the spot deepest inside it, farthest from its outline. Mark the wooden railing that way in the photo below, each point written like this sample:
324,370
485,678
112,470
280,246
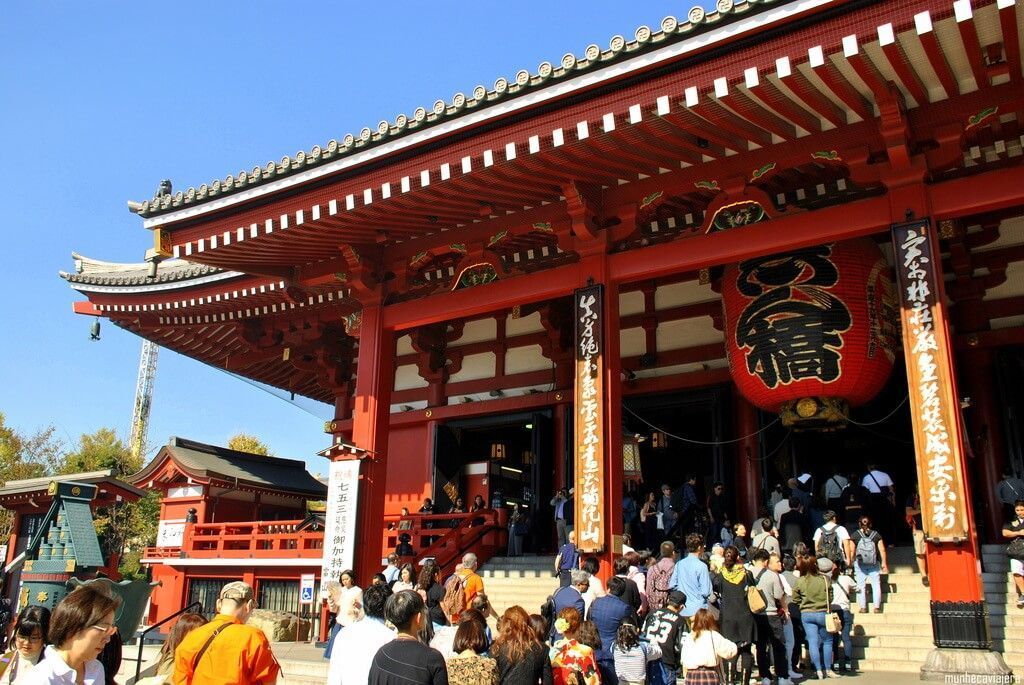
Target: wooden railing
244,540
446,537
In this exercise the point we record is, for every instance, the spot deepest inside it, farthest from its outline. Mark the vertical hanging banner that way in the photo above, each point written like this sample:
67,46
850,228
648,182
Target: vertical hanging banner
589,422
933,405
340,527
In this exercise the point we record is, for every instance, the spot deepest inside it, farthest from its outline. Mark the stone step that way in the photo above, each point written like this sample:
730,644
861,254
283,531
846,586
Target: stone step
519,573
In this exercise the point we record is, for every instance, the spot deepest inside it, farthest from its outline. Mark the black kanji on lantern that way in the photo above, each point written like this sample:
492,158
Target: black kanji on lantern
792,327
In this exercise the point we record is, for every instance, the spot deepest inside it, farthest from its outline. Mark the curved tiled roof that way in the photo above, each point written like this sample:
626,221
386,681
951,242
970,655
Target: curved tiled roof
95,272
670,31
200,460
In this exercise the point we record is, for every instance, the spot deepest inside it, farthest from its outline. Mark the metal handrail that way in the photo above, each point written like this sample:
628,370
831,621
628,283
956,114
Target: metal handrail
142,635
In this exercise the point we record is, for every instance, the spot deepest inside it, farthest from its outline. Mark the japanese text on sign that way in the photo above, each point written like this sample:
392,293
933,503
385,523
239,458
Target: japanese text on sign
793,325
929,384
340,527
589,423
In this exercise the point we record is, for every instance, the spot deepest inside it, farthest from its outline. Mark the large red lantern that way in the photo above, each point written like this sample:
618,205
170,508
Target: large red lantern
812,331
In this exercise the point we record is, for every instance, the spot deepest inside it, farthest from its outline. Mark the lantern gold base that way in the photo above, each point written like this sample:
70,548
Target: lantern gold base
815,413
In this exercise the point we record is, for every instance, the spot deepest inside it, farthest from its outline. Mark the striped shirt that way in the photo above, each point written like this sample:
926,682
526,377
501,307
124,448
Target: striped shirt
631,664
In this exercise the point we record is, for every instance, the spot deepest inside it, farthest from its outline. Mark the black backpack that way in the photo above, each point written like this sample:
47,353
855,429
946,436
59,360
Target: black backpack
828,546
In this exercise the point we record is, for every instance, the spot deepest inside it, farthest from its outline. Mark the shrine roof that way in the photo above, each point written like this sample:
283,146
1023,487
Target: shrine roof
205,462
336,155
41,484
90,271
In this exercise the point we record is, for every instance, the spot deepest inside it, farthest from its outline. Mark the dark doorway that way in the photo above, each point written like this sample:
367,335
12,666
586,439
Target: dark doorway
692,423
878,432
508,459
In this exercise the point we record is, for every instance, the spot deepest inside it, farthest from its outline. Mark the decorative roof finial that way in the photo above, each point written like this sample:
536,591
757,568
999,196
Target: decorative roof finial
164,189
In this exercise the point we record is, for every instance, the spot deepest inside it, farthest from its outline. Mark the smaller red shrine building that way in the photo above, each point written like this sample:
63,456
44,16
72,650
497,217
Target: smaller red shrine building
228,515
29,499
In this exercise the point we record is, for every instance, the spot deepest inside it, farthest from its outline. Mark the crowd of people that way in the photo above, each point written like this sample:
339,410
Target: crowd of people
780,606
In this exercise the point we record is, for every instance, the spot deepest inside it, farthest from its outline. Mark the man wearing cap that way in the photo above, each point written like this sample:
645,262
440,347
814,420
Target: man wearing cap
666,627
225,651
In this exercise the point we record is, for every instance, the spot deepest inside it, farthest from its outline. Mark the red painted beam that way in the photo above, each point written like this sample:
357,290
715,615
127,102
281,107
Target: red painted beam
840,222
495,296
997,338
86,308
986,192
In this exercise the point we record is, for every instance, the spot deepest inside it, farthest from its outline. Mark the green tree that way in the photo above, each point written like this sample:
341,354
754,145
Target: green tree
243,442
100,451
24,456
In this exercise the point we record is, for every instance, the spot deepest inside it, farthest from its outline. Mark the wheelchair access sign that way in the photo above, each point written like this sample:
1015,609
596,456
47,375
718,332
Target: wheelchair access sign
306,583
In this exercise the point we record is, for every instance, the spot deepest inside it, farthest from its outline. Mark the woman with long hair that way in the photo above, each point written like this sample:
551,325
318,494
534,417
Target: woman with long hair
432,591
704,649
631,655
469,665
522,659
350,600
811,593
28,639
572,661
406,579
185,624
737,622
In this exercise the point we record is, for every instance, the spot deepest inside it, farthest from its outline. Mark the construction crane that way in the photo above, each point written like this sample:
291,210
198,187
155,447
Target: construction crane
143,399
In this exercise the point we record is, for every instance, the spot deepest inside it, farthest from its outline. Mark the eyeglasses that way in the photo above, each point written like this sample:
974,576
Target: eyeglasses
31,639
104,627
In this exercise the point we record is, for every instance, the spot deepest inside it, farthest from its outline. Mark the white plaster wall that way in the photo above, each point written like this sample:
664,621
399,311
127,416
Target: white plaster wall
523,359
475,367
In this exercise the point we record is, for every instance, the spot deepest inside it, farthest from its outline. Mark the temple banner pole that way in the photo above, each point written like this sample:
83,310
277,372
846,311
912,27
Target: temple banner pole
960,624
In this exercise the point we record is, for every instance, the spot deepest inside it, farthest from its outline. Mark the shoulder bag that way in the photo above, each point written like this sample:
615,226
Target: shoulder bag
833,622
755,598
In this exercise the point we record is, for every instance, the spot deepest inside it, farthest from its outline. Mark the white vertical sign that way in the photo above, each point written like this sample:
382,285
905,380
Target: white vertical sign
340,528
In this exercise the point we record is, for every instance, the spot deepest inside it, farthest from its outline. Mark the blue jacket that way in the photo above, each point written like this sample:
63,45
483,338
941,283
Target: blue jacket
692,576
566,597
608,613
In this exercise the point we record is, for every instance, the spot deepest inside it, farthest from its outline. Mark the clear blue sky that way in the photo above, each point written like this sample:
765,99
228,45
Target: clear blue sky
99,101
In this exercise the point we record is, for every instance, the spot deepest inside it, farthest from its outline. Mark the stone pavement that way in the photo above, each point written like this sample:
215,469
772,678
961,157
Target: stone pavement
303,664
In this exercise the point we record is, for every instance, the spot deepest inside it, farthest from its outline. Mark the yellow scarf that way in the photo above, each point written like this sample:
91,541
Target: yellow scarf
736,575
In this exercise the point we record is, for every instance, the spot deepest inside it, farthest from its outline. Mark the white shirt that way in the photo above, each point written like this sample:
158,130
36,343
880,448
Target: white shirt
883,481
841,533
390,573
841,589
705,650
17,671
781,507
354,649
350,605
594,590
51,670
834,487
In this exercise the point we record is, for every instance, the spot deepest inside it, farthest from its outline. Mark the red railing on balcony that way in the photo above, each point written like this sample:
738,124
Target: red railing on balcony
244,540
446,537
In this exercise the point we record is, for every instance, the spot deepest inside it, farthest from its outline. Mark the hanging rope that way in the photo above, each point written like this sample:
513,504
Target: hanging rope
698,442
884,418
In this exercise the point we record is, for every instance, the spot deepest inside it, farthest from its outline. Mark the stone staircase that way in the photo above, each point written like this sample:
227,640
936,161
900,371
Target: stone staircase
899,639
526,581
1005,619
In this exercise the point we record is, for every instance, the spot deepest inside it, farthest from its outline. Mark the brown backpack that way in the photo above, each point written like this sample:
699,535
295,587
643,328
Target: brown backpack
454,601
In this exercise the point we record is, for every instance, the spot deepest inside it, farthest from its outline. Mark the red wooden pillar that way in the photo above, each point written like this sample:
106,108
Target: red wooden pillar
960,624
370,416
748,463
985,433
